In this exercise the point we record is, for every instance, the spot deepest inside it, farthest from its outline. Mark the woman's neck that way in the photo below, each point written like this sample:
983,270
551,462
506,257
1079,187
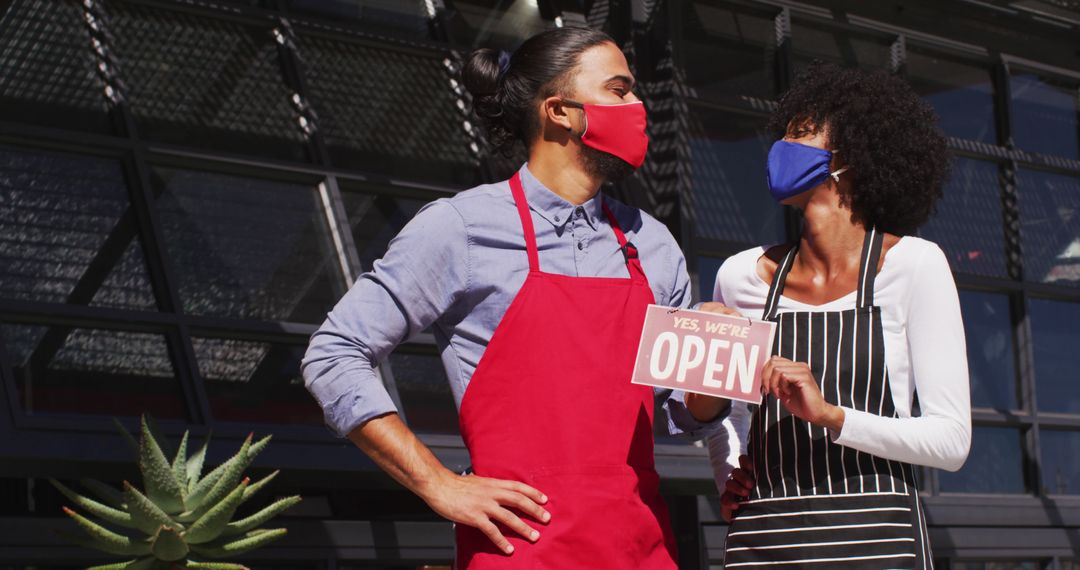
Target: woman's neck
831,244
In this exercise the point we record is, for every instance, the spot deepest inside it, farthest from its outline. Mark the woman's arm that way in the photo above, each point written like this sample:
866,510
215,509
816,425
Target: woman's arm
941,436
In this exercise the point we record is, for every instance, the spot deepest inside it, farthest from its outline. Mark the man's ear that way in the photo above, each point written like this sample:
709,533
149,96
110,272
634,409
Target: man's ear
556,113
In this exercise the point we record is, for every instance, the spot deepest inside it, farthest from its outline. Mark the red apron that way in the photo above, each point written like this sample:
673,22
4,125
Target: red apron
551,405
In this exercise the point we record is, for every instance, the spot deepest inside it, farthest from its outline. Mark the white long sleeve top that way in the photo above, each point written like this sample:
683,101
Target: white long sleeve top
924,349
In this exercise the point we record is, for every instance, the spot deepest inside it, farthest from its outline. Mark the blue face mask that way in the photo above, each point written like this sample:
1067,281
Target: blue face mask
795,168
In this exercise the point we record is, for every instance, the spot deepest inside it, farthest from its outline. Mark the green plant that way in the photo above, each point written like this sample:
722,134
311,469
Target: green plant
179,512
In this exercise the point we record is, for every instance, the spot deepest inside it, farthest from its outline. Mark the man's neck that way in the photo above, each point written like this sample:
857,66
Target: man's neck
560,171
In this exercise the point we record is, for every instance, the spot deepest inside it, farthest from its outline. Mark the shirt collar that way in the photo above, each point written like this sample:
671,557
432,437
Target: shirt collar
552,207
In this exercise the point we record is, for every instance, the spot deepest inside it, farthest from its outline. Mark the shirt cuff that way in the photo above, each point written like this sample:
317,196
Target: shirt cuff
682,423
849,432
352,409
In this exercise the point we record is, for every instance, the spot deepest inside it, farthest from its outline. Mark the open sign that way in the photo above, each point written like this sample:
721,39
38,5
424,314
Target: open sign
701,352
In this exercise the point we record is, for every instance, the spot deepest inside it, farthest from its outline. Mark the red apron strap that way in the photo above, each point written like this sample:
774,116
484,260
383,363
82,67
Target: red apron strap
526,220
633,264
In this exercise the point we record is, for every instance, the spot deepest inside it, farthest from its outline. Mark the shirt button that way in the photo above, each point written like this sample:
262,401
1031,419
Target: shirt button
557,219
581,245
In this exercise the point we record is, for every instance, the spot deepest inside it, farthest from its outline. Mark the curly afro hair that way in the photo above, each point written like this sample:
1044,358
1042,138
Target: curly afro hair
882,130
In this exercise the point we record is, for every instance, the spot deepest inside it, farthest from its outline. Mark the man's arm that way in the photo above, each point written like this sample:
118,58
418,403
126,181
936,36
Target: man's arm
424,272
467,499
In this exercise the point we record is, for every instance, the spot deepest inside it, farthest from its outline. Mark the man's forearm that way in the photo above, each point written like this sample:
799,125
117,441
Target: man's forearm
398,452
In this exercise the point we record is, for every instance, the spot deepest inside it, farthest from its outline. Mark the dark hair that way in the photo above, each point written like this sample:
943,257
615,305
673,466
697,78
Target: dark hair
542,67
883,131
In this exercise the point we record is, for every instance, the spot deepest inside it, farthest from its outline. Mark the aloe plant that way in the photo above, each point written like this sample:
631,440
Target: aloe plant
180,516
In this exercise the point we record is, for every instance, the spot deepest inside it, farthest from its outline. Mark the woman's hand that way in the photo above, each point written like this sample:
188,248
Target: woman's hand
737,488
795,386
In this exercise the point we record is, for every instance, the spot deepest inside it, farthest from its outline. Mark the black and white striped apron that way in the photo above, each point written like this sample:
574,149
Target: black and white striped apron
817,504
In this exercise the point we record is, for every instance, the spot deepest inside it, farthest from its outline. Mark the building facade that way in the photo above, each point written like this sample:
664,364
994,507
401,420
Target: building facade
188,186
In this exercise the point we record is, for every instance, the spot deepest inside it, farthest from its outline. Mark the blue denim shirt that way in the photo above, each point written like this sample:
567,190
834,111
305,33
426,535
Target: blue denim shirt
455,268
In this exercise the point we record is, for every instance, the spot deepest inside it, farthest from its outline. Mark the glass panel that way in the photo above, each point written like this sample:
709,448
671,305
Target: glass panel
725,51
406,118
375,220
498,25
68,233
727,165
988,329
1060,462
402,17
995,565
245,247
707,268
995,464
1044,114
1050,226
961,93
47,67
1055,338
215,81
424,390
62,369
818,40
968,224
255,381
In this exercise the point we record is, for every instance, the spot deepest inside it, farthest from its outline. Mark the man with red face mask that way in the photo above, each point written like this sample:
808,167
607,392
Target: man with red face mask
535,289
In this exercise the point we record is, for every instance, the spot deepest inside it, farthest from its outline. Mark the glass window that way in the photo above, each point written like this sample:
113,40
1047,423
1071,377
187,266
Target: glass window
1044,114
988,328
962,93
246,247
255,381
498,25
1060,461
375,220
68,233
994,465
726,52
63,369
387,109
811,40
47,72
968,224
1055,338
707,268
212,82
1050,226
727,174
424,390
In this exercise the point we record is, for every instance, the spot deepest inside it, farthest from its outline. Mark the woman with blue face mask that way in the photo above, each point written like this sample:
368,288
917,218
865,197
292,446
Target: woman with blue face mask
821,474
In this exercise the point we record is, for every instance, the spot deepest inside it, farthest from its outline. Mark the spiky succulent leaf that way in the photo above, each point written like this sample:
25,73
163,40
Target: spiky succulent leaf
169,545
107,494
254,487
194,466
106,540
228,475
139,564
249,541
179,464
146,515
246,524
257,447
161,486
103,512
193,565
210,525
134,445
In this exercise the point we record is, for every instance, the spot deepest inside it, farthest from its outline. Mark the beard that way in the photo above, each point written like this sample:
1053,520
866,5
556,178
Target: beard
605,166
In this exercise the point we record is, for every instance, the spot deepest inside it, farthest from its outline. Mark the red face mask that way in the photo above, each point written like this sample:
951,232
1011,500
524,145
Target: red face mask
618,130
